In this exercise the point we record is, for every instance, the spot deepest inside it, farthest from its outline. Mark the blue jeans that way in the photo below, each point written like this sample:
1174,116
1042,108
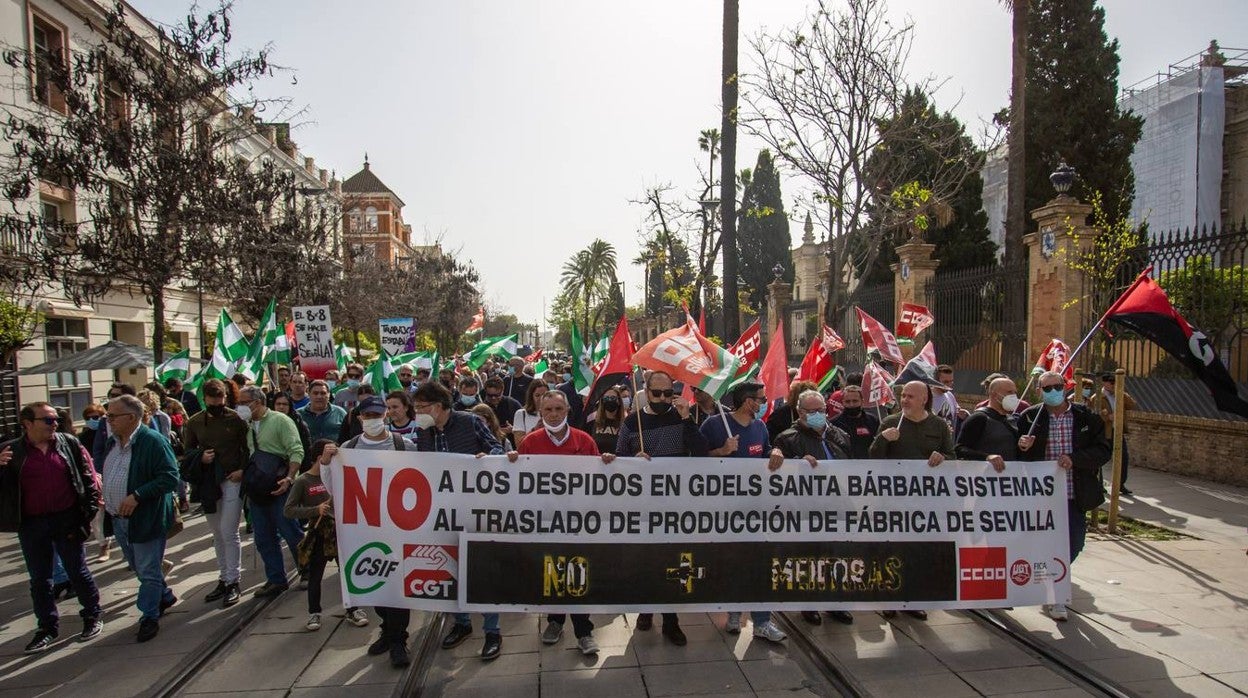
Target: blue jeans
267,523
490,625
43,540
1078,528
757,617
145,558
59,575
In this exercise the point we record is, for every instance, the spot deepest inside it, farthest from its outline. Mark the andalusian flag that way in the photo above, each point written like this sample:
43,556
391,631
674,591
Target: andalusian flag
583,361
282,344
342,355
491,346
263,344
177,366
428,360
230,346
381,374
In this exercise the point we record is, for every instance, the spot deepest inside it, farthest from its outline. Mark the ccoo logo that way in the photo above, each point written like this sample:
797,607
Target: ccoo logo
981,573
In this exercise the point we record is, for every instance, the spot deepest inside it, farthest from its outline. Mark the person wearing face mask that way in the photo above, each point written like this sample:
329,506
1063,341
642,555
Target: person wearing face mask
991,432
216,453
812,438
704,406
662,425
604,424
347,397
469,393
505,408
785,412
551,379
1104,405
517,381
528,418
350,427
860,425
1074,436
92,415
556,438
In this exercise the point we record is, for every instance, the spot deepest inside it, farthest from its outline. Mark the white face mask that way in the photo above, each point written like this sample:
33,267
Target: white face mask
1009,403
626,401
423,421
374,427
555,429
244,412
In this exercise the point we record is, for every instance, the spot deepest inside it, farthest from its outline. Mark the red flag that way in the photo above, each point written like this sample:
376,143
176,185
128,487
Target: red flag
616,366
690,357
748,347
533,358
818,363
702,321
876,390
1056,358
774,371
921,368
478,321
914,319
1146,310
876,336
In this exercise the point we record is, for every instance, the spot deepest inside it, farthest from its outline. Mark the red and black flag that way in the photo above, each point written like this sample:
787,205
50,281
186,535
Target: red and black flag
1146,310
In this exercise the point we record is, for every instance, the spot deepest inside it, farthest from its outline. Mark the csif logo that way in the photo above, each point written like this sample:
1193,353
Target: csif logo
369,567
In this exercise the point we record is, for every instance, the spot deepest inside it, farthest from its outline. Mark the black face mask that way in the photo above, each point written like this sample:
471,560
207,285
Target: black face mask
660,407
215,410
405,383
853,411
611,404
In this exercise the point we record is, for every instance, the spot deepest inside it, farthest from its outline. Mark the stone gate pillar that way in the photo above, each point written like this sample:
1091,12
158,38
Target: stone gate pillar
1062,234
914,268
779,296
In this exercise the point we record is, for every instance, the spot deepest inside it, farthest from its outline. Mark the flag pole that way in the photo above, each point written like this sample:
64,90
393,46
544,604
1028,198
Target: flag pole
1071,359
641,442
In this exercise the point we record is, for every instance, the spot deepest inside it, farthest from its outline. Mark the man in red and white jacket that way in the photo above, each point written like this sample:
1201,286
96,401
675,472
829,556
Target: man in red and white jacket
556,438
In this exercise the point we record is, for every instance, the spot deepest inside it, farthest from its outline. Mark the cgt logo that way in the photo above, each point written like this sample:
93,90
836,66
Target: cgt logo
369,567
981,573
429,571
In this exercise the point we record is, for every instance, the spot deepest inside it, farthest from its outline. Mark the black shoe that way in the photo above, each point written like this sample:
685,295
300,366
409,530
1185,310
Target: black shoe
64,589
920,615
493,646
812,617
218,593
673,632
456,636
398,655
232,595
645,621
379,646
148,629
271,589
889,614
842,617
91,627
1125,492
166,605
43,640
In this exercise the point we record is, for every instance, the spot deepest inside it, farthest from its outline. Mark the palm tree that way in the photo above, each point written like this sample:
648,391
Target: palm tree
590,275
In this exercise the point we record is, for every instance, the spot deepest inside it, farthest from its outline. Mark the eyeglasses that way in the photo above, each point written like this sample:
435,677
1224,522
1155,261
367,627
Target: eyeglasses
1052,388
493,396
820,409
759,398
654,392
50,421
115,415
354,376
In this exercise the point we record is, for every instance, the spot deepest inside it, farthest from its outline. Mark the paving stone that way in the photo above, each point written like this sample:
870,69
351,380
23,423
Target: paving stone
1202,686
933,686
512,644
569,658
1235,679
705,645
621,682
709,677
268,662
1002,656
870,665
520,686
780,673
1011,681
1142,666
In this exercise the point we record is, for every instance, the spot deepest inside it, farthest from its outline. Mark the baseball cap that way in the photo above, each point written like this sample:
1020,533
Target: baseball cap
372,403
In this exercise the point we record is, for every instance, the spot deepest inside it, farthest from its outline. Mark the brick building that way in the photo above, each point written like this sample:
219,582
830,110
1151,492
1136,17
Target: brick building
373,226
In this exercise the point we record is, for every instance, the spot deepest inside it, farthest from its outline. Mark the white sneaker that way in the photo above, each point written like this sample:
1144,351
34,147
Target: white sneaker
314,622
769,631
1056,611
587,645
357,617
733,626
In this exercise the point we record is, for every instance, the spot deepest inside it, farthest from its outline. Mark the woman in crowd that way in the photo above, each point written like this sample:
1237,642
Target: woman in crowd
491,420
527,419
281,403
400,413
604,423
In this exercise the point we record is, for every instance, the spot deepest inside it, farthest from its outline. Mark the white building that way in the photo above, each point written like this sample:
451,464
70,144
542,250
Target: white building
61,26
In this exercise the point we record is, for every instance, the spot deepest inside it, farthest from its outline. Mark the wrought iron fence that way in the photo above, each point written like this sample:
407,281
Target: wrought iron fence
1204,273
981,321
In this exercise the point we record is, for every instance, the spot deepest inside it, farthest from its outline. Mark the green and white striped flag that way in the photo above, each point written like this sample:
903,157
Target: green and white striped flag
342,355
230,346
381,374
176,366
417,360
504,346
263,344
281,345
600,349
583,361
540,367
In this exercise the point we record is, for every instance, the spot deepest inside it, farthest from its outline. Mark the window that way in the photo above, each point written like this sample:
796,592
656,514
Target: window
50,52
116,110
370,220
58,218
70,389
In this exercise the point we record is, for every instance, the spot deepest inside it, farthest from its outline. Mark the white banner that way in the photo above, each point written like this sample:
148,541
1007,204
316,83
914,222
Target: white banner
568,532
314,335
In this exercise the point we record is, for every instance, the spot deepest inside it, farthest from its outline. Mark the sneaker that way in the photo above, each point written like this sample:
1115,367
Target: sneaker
218,593
105,551
379,646
812,617
314,622
166,604
889,614
587,645
398,655
920,615
1056,611
842,617
673,632
456,636
232,595
43,640
733,626
91,628
769,631
493,646
166,566
148,629
357,617
184,505
645,621
1125,492
552,633
270,589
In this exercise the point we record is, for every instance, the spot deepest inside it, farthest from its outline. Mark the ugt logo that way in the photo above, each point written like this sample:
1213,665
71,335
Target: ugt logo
981,574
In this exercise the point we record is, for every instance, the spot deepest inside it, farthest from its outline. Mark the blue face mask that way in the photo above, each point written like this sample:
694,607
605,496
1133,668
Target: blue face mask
567,377
331,384
93,423
1054,398
511,371
762,410
1087,393
468,400
353,383
550,385
817,420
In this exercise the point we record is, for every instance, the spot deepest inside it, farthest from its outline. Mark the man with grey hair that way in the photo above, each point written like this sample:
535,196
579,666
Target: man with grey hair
275,449
140,476
1074,436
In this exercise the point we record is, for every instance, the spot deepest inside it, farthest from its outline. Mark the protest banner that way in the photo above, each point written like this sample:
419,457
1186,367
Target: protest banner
398,335
314,333
449,532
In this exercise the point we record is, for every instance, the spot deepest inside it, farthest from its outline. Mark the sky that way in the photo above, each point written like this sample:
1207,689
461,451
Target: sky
518,131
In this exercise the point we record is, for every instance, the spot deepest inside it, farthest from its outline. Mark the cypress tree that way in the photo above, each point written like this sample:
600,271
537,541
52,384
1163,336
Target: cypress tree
763,233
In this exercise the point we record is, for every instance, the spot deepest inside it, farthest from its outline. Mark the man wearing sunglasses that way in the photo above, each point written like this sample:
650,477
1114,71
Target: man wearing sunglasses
49,496
504,407
660,428
1074,436
348,396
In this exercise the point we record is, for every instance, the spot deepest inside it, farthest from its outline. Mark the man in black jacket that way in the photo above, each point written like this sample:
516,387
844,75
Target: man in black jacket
1073,436
990,433
49,495
858,424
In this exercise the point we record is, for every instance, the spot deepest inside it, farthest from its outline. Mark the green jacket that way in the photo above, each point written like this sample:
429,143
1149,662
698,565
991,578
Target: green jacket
152,480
